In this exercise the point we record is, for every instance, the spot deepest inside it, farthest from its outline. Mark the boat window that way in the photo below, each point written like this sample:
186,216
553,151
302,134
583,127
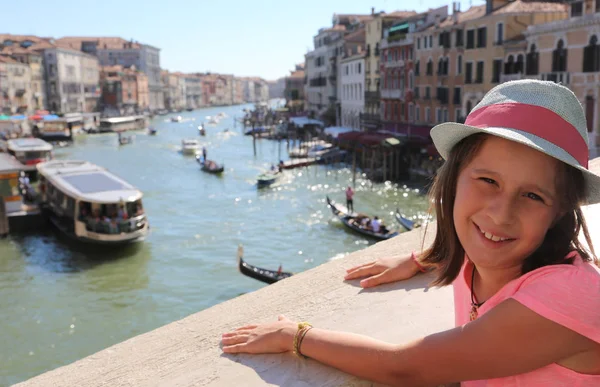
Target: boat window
9,187
112,218
70,210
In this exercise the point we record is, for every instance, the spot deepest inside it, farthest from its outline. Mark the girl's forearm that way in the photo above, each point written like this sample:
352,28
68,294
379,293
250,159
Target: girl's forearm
359,355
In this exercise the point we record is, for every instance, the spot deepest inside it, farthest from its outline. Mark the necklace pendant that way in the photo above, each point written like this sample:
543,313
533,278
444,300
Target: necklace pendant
474,313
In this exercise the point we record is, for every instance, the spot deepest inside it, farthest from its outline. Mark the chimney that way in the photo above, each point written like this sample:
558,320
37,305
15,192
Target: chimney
437,21
372,10
455,11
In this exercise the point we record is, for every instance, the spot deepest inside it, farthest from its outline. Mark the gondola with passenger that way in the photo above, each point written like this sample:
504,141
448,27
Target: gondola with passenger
353,222
405,222
258,273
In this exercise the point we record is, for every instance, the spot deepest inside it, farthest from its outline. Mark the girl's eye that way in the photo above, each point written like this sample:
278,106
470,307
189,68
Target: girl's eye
488,180
533,196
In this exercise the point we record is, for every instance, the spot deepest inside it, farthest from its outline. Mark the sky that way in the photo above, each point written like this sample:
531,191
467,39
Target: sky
264,38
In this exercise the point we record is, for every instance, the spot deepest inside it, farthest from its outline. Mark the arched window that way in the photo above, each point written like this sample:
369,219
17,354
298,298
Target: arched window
559,57
509,65
469,107
519,64
591,56
532,65
440,69
429,67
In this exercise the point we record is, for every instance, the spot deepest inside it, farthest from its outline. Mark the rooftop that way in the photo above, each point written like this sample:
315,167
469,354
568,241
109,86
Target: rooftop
26,144
520,6
112,43
472,13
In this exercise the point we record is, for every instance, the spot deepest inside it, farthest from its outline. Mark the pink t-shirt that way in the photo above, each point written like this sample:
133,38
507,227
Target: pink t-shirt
566,294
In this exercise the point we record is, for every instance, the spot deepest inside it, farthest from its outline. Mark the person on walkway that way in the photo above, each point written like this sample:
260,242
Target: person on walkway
349,199
508,211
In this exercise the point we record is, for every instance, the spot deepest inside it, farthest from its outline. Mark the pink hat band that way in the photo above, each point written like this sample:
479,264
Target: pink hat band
535,120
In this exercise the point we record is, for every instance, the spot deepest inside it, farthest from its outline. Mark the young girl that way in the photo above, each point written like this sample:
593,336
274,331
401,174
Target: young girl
526,291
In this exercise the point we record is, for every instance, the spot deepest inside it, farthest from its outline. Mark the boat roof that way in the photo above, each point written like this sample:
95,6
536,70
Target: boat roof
29,144
190,141
9,164
119,120
85,181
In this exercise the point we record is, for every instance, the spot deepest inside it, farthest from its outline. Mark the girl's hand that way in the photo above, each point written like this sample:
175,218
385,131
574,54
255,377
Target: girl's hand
273,337
383,271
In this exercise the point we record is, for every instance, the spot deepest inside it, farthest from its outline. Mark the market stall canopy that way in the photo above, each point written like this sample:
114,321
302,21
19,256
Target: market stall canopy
4,117
18,117
335,131
50,117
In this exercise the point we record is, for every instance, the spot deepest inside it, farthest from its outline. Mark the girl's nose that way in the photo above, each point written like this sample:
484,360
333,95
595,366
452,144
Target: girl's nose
502,209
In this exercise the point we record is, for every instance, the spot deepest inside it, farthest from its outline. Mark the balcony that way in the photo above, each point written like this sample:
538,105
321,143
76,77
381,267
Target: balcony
393,63
397,40
559,76
392,93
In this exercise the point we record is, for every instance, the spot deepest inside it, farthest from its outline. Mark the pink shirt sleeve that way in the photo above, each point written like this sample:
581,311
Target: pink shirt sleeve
566,294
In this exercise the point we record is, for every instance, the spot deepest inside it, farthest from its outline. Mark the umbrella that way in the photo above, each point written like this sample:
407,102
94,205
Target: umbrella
4,117
36,117
18,117
50,117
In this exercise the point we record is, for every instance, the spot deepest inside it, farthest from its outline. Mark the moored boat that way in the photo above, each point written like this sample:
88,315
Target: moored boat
152,132
405,222
29,151
352,221
90,204
258,273
176,119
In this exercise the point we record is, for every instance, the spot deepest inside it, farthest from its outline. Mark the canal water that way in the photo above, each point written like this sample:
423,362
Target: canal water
62,302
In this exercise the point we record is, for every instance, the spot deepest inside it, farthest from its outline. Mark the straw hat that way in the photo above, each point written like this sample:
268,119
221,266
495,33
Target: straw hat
543,115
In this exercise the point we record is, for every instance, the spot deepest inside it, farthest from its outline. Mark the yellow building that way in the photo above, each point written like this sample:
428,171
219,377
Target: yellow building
568,51
490,40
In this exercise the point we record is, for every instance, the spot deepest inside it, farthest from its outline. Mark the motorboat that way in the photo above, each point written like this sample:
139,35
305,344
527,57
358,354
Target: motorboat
176,119
268,178
152,132
319,150
190,146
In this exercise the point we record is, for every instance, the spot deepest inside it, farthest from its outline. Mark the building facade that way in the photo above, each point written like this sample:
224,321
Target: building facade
294,89
124,90
15,86
72,80
173,91
193,91
118,51
352,90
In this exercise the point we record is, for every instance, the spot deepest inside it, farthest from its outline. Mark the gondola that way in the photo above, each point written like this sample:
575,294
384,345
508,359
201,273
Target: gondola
152,132
125,140
406,223
347,220
264,275
212,167
267,178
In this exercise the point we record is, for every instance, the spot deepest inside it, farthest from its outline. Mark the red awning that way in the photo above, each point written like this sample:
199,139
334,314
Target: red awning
364,138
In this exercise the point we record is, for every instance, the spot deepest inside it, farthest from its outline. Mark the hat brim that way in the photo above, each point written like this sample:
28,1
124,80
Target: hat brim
445,136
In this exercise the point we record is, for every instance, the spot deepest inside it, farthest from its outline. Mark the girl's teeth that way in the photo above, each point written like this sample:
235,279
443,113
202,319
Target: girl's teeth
495,238
492,237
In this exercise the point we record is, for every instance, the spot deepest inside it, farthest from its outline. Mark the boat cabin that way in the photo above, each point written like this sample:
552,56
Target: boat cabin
9,183
91,204
29,151
121,124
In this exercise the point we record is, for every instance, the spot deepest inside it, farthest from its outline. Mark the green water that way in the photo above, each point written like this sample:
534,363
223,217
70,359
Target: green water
62,302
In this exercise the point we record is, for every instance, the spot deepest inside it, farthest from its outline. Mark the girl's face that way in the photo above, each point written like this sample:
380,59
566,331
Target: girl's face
506,200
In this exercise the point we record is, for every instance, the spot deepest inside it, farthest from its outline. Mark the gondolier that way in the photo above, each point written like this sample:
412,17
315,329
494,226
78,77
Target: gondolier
349,199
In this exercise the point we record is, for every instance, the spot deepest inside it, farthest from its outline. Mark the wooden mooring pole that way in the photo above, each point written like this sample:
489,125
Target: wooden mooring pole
3,218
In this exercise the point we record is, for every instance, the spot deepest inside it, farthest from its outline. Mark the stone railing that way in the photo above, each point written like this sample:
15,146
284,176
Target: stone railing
187,352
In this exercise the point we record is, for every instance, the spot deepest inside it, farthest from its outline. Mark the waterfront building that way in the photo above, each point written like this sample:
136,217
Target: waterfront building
15,86
173,90
34,60
72,79
124,90
371,118
351,79
238,91
294,89
193,91
276,88
112,51
255,89
566,51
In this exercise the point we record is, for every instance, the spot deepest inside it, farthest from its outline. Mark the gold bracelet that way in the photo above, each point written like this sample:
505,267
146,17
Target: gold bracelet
304,332
301,327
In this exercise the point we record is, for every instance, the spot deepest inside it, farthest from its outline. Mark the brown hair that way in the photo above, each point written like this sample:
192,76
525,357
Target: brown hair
446,254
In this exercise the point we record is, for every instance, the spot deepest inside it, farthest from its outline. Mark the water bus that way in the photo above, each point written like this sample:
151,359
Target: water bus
88,203
29,151
190,146
122,124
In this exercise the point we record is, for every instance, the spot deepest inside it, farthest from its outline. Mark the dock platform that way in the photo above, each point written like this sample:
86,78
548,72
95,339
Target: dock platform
298,163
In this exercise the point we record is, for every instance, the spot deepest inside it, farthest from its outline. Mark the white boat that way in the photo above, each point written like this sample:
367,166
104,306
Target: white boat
29,151
176,119
90,204
190,146
212,120
319,150
123,124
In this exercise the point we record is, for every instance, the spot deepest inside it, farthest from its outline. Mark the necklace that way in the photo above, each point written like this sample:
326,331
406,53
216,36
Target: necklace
474,305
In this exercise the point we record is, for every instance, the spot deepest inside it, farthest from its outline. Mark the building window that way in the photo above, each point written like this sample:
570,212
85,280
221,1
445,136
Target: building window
418,43
411,112
597,6
418,68
438,115
591,55
497,70
360,68
469,107
417,92
470,39
411,80
559,57
444,39
481,37
429,67
532,65
425,42
576,8
428,114
417,113
499,34
469,72
460,37
479,75
440,69
459,65
456,99
458,116
427,92
430,41
445,114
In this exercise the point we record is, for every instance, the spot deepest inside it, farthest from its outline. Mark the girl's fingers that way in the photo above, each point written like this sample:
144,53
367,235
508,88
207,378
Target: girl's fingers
231,340
371,270
236,348
359,267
